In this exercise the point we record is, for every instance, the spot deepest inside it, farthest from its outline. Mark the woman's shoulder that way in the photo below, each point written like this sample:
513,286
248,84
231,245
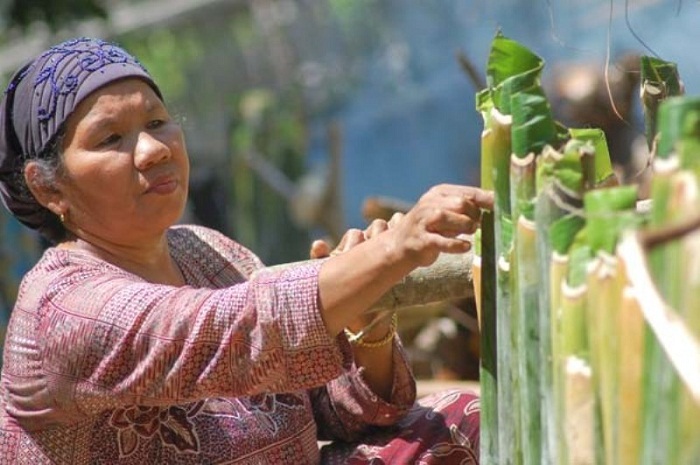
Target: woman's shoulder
210,247
58,270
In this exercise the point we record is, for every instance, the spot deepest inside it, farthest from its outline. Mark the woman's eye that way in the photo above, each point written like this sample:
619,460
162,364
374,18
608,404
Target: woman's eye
155,124
109,140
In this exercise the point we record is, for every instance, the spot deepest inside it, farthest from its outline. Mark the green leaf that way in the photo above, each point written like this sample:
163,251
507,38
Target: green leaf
509,58
659,80
609,211
603,165
533,124
563,231
658,71
679,129
510,68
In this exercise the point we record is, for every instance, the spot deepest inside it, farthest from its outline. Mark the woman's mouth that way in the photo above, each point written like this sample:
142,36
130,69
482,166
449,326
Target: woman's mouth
163,186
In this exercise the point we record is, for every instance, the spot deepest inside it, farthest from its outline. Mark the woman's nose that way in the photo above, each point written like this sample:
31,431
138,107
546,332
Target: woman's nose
149,151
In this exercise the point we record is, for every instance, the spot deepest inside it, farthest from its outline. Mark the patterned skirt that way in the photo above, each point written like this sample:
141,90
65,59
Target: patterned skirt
441,428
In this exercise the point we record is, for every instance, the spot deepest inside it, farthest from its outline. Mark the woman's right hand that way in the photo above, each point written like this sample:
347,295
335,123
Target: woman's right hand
350,282
438,222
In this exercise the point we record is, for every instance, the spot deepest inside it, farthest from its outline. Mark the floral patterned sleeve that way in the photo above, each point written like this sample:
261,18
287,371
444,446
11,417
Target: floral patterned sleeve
346,407
89,336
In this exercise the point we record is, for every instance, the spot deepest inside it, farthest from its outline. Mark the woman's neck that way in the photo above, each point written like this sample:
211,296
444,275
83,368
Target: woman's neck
149,260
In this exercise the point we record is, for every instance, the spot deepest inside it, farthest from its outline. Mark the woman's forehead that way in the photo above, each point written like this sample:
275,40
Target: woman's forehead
116,99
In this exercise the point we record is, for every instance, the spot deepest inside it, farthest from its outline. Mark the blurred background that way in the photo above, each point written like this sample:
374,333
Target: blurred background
306,117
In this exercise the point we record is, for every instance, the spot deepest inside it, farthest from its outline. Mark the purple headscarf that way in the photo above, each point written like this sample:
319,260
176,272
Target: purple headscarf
39,99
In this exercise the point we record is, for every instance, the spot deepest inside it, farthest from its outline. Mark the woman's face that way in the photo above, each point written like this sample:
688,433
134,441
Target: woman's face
126,170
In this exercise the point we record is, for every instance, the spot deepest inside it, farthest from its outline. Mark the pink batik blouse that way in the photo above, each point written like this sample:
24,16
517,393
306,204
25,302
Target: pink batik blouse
102,367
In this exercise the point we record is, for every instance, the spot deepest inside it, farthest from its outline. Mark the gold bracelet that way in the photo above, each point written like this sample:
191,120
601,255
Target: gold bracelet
357,338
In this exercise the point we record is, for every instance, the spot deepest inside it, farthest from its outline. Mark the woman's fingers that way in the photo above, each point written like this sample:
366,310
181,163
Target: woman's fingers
319,249
461,196
395,219
350,239
376,226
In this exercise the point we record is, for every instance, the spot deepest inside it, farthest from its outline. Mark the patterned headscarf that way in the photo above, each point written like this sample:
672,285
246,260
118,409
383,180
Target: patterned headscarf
39,99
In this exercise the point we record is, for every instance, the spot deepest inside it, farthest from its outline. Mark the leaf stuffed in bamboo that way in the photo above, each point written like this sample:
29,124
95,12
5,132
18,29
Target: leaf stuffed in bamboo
659,81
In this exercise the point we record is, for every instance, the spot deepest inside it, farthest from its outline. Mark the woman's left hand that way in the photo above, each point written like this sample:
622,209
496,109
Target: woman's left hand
351,238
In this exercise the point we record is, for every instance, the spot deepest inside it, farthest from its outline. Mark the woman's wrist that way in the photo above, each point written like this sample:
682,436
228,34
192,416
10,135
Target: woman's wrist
374,335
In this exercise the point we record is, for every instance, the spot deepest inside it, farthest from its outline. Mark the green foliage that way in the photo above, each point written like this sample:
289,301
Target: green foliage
269,126
167,55
55,14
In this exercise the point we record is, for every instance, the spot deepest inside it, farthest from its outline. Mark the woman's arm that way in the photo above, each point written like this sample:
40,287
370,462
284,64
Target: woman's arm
350,282
87,337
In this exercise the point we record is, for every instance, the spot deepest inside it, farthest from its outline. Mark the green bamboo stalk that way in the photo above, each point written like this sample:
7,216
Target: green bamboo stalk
495,242
683,200
526,282
484,265
608,212
546,212
678,144
658,376
629,395
510,67
577,431
533,128
607,298
557,279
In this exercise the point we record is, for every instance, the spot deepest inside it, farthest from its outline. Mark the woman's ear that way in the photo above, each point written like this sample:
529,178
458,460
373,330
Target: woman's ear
44,190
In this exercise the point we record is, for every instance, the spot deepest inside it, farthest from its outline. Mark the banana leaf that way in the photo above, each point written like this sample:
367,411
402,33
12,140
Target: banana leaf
659,80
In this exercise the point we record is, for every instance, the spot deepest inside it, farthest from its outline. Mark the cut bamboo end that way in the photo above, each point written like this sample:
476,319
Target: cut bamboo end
528,225
500,118
666,166
526,162
560,259
573,293
503,264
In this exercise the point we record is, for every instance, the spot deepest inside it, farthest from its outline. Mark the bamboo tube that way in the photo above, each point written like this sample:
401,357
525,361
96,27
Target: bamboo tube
607,297
579,411
594,342
485,266
524,291
679,344
510,69
608,212
545,213
672,190
690,296
571,344
508,440
495,242
559,186
629,395
557,279
660,380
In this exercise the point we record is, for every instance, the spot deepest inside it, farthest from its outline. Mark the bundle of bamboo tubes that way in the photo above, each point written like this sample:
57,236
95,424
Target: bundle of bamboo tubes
589,308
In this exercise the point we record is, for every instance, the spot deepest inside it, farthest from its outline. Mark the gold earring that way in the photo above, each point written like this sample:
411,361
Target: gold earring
62,217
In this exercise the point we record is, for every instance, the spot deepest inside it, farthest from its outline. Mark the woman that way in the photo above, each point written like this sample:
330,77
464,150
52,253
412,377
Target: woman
135,341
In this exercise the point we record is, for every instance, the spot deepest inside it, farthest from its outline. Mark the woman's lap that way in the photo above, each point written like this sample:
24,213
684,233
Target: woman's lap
442,428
